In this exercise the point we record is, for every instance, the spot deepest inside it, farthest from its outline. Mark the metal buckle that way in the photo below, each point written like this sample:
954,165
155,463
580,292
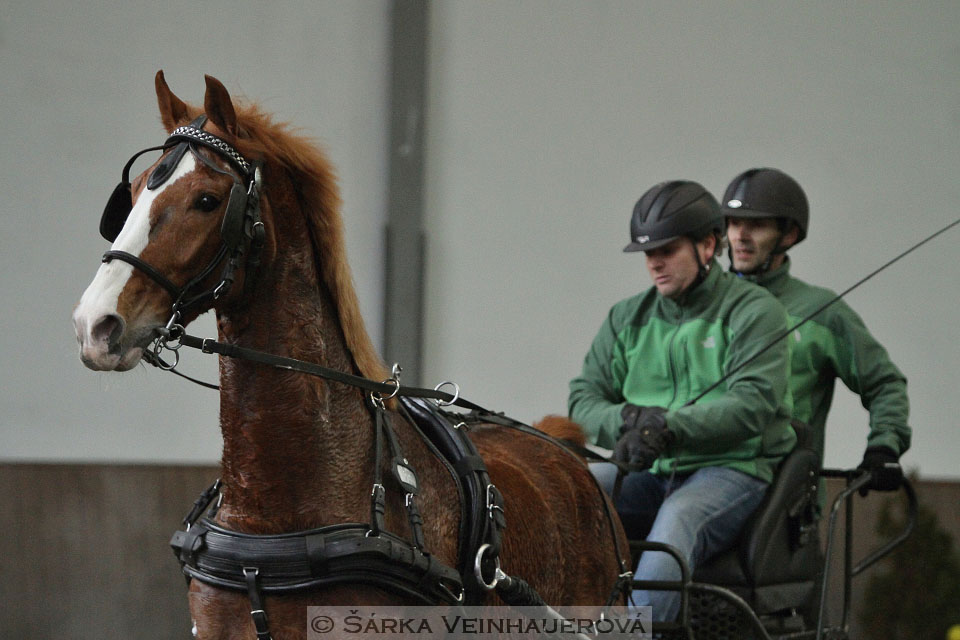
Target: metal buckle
491,505
456,598
377,487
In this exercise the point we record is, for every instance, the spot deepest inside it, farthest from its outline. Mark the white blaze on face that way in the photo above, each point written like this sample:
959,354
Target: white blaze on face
102,295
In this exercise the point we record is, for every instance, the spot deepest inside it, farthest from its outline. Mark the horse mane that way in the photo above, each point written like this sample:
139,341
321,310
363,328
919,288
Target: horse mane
562,428
315,180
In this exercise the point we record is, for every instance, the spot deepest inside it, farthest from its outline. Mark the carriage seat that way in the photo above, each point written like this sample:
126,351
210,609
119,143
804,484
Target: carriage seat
775,564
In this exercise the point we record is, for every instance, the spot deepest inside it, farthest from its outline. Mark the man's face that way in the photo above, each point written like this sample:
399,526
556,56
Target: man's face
751,241
673,267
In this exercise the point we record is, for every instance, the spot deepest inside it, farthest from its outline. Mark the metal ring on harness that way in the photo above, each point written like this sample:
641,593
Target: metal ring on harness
396,388
456,394
166,366
175,334
478,569
377,398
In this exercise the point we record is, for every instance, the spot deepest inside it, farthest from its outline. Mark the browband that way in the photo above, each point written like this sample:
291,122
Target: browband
193,133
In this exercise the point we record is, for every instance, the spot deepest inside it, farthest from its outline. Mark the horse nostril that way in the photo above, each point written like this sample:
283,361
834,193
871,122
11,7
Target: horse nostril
107,329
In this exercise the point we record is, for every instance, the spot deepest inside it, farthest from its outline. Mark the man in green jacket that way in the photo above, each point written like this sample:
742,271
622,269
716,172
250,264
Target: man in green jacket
767,214
701,468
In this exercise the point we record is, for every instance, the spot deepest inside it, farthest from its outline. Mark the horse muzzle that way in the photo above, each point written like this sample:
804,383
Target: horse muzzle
105,343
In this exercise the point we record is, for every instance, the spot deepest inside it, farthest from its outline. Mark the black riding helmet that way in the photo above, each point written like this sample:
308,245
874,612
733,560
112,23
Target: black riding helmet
670,210
767,193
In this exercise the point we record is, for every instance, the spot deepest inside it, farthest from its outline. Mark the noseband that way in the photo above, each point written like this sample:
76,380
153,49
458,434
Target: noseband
242,232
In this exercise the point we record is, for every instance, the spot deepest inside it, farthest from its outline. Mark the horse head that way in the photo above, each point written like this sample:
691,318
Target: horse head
186,233
196,230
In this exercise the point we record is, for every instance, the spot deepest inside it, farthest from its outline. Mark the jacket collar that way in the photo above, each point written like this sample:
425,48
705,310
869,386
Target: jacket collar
773,280
701,295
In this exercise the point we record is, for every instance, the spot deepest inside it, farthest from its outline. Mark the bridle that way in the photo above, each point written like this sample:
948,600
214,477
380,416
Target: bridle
242,232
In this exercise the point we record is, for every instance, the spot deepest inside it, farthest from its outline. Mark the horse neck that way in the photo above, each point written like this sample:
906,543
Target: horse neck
296,448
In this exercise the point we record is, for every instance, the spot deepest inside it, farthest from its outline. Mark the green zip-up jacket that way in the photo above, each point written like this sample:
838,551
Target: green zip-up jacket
654,351
836,344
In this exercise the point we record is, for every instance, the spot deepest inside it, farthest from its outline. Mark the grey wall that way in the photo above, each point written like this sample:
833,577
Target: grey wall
547,120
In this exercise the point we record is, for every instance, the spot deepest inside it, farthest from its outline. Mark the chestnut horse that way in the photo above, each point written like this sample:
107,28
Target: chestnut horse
298,450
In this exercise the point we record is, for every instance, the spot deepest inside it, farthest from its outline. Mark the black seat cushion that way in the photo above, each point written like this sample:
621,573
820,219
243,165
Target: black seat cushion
777,557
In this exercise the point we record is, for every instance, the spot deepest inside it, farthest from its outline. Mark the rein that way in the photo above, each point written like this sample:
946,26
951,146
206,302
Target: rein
386,390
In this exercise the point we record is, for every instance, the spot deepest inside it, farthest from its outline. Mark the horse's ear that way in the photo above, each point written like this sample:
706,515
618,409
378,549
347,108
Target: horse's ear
219,107
173,110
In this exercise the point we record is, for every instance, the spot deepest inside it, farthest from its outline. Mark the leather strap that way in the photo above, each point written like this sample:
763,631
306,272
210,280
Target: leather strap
257,612
405,476
378,507
469,464
208,345
177,293
137,263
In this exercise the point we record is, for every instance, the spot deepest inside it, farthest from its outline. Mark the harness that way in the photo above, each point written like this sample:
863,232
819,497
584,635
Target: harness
347,553
361,552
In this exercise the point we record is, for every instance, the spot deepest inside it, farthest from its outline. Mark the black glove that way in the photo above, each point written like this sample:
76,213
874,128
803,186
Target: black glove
643,436
631,415
884,469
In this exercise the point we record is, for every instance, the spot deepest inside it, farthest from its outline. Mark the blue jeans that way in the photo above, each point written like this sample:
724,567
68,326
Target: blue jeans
700,514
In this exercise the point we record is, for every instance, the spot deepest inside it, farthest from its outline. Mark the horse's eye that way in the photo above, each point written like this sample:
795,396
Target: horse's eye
207,202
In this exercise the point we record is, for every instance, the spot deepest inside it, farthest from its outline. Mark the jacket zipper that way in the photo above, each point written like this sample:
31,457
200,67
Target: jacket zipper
673,371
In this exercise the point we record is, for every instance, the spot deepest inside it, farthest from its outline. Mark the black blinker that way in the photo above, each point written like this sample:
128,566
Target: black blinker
118,207
166,167
116,212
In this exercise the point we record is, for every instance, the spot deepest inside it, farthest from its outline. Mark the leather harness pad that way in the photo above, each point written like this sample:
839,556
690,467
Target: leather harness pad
481,525
310,559
345,553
